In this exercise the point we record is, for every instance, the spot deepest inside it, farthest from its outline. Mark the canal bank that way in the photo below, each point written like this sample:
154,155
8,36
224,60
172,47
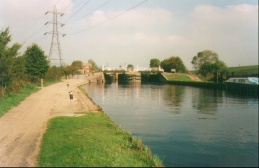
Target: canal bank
92,140
149,77
244,89
22,142
158,77
185,126
23,126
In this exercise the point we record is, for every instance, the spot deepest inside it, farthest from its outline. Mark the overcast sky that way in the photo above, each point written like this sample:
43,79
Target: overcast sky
119,32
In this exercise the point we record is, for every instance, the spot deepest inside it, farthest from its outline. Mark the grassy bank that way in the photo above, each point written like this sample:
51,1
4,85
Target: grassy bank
252,70
12,99
92,140
177,77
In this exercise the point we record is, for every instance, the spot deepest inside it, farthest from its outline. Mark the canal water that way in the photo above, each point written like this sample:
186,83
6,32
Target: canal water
185,126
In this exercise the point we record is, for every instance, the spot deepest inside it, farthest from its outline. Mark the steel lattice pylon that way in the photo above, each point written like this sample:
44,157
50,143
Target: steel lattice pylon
55,55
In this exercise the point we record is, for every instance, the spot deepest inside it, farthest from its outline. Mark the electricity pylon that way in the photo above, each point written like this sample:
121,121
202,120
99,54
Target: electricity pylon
55,56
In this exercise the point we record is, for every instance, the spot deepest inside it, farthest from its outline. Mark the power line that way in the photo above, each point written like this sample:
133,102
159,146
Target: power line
32,26
67,6
110,18
33,34
55,39
78,9
80,3
38,30
41,28
40,39
87,29
92,11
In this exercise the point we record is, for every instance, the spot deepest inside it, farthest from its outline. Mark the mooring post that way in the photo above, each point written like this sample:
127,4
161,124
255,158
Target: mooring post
41,82
71,95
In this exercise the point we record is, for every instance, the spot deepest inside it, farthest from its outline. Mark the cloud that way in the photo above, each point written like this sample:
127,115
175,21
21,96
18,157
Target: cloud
231,15
231,31
155,32
140,34
137,32
139,20
27,10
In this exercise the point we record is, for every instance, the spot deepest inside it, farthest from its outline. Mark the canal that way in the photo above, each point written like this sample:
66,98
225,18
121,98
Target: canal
185,126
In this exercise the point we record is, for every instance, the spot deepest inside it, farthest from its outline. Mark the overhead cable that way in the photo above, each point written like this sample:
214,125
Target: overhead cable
91,11
110,18
79,9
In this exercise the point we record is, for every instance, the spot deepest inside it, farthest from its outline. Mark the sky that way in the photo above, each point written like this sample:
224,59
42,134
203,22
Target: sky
116,33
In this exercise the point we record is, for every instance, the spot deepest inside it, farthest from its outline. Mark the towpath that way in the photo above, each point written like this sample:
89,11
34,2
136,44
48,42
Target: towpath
22,127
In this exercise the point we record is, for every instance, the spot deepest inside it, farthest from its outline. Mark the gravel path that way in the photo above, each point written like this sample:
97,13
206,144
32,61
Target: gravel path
22,127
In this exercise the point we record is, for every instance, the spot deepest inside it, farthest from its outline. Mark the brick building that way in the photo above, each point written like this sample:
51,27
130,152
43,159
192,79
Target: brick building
86,68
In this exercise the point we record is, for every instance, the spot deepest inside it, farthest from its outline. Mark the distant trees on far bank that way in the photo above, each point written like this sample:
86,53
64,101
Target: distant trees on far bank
154,62
209,65
173,62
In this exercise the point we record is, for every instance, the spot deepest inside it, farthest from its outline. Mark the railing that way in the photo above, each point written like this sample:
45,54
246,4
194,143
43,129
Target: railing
134,69
113,69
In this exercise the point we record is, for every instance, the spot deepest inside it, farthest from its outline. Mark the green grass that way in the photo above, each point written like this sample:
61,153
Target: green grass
244,70
92,140
177,77
82,90
240,70
12,99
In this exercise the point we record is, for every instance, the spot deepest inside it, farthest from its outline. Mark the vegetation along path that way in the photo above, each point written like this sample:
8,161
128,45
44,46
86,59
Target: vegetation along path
22,127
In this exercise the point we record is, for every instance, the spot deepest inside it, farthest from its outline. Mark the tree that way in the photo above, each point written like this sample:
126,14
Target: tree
94,66
55,73
71,70
9,80
36,63
19,76
207,63
154,62
203,58
65,71
78,64
173,62
130,66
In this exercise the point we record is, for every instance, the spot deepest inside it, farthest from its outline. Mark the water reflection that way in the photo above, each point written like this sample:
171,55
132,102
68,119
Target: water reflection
206,101
173,95
185,126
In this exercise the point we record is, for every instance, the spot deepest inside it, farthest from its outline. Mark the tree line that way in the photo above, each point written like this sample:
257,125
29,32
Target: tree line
17,70
206,63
